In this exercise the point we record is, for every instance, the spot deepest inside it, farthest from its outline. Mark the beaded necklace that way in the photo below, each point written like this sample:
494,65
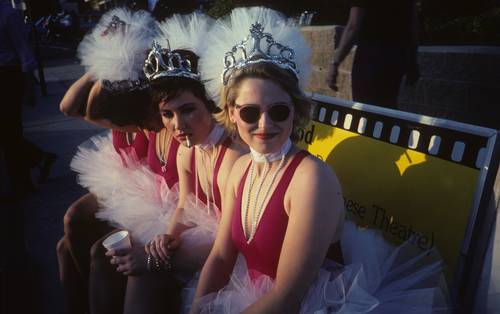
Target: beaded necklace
208,155
250,226
162,137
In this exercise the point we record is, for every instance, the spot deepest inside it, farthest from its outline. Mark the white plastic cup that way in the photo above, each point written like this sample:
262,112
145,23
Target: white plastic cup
117,241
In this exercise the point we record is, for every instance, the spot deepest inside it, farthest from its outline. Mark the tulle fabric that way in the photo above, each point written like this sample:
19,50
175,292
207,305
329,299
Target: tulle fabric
377,278
130,195
197,241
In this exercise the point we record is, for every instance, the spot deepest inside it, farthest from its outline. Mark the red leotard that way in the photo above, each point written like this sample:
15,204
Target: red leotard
138,146
215,187
169,173
263,252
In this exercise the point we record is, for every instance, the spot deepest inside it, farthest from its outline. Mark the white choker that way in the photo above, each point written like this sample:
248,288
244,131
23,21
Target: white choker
213,138
270,157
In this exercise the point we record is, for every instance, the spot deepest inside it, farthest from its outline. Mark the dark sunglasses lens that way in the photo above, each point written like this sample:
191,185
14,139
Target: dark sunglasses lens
250,114
279,113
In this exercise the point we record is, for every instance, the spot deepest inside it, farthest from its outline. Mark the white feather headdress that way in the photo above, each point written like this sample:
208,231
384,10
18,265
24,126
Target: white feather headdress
116,52
232,30
185,32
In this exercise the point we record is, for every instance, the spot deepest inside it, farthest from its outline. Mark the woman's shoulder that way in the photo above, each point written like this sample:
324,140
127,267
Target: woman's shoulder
240,165
184,155
313,169
242,161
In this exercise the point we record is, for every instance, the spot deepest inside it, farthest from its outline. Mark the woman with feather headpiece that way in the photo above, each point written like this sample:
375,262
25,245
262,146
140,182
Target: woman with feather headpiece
124,165
204,160
283,210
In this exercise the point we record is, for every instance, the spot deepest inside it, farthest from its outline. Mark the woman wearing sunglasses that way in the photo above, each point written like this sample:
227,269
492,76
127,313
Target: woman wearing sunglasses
283,209
204,160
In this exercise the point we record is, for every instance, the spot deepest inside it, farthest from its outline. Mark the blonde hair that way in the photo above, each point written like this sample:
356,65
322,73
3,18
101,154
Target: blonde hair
267,71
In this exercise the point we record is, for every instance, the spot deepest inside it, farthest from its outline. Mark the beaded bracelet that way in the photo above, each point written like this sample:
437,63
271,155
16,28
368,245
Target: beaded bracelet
157,265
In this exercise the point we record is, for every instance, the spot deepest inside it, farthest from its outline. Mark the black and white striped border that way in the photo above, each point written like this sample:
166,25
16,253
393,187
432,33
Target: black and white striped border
446,143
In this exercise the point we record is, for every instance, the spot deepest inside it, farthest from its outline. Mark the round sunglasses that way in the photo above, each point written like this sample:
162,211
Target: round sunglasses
251,114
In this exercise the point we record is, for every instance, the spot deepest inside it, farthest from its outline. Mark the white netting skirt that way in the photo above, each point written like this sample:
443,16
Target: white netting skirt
197,241
130,195
377,278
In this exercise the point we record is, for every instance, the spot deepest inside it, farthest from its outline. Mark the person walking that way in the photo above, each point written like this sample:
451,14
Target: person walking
385,32
17,63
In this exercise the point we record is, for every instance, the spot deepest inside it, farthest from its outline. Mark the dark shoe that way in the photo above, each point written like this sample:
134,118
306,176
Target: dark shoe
45,165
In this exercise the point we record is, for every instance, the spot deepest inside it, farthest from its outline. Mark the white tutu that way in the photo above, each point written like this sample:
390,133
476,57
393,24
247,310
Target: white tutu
100,168
197,241
377,278
131,197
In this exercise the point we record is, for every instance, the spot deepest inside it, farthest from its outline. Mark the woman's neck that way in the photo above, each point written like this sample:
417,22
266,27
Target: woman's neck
261,158
213,138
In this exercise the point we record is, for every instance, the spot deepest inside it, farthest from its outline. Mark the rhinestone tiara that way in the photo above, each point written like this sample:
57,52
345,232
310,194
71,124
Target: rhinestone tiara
116,24
125,85
241,55
163,62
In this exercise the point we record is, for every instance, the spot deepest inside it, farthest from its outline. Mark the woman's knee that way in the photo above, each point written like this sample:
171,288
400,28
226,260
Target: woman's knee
61,247
79,214
97,255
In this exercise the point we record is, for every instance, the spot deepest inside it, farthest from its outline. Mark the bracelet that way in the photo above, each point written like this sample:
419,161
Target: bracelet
156,265
168,265
148,263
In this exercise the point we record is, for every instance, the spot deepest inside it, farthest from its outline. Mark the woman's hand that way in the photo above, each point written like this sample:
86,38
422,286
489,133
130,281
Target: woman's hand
130,262
162,247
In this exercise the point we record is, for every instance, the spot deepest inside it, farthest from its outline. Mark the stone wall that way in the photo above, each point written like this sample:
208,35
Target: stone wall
460,83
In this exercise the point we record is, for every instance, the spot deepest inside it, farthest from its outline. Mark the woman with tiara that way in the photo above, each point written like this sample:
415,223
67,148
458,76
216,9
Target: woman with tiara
114,93
283,208
204,160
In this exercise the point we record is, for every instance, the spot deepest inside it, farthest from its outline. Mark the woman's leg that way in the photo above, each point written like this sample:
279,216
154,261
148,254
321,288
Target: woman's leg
152,293
81,229
106,285
74,286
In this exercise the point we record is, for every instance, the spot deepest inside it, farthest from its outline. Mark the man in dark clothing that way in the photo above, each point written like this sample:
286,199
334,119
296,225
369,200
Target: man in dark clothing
385,33
17,63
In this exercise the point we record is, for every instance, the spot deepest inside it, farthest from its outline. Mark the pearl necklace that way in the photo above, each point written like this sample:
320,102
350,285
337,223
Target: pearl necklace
209,147
257,211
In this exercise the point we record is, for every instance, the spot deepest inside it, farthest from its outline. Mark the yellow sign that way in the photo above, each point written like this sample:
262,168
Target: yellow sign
404,193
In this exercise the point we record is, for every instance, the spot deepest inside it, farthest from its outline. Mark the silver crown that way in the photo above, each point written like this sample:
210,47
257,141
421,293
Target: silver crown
163,62
275,53
125,85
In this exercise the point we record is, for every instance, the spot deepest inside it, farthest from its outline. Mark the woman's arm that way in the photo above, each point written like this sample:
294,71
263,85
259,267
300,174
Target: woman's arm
74,102
220,263
184,156
97,98
162,245
350,34
84,99
315,207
